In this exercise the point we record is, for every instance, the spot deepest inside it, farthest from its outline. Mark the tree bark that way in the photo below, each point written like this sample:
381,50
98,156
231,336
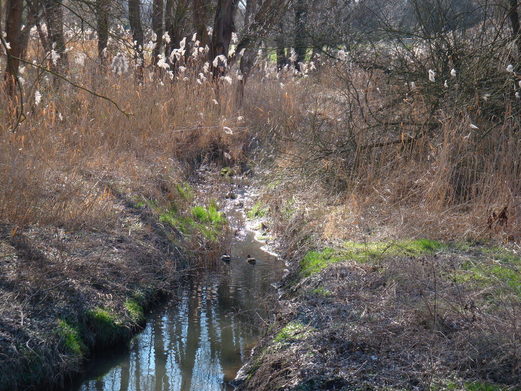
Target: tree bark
13,37
513,15
200,11
102,26
157,27
282,59
223,28
54,19
300,31
33,16
134,15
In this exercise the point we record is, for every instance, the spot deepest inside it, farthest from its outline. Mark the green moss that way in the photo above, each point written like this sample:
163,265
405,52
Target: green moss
135,310
293,331
107,328
315,261
494,267
71,338
257,211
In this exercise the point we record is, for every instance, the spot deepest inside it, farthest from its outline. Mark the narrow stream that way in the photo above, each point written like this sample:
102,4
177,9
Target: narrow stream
200,340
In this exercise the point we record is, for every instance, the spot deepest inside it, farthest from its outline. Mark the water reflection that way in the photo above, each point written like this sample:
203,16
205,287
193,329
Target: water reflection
200,341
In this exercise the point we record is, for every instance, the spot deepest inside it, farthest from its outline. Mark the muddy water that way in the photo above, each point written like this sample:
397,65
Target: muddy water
201,339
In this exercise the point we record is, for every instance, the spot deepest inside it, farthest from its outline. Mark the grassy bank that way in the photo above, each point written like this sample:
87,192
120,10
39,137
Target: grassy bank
387,314
69,293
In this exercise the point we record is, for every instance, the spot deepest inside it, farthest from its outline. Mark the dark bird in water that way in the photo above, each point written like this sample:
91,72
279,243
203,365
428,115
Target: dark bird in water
251,260
226,258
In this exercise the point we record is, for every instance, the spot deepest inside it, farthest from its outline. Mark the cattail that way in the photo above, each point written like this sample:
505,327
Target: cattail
162,62
80,59
119,64
166,37
37,97
432,75
220,60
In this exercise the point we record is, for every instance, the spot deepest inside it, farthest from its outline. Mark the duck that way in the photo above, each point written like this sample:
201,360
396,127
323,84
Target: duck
251,260
226,258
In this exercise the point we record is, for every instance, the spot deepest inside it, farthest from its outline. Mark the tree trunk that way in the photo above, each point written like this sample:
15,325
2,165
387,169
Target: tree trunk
134,15
13,37
54,20
300,32
282,60
513,15
223,28
33,16
200,11
102,26
157,28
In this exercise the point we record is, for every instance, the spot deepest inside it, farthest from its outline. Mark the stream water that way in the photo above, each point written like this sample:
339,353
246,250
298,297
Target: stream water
199,340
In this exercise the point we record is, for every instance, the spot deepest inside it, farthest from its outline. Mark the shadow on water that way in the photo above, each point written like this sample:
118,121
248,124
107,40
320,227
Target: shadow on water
200,340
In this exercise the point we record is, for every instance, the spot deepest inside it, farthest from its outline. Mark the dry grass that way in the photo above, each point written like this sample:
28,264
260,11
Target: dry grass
382,164
56,168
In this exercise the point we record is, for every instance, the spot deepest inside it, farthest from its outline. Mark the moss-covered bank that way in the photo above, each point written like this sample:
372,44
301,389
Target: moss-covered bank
396,315
65,295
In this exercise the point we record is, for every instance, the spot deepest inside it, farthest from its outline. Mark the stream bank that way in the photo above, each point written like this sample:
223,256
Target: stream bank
66,295
200,338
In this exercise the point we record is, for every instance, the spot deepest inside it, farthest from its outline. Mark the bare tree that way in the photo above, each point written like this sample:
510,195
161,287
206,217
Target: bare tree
53,11
301,11
282,59
513,15
201,12
134,16
32,18
157,27
102,26
224,26
13,28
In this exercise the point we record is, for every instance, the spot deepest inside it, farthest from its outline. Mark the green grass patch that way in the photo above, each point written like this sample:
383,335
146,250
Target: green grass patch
315,261
293,331
135,311
71,338
209,214
207,221
257,211
492,266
